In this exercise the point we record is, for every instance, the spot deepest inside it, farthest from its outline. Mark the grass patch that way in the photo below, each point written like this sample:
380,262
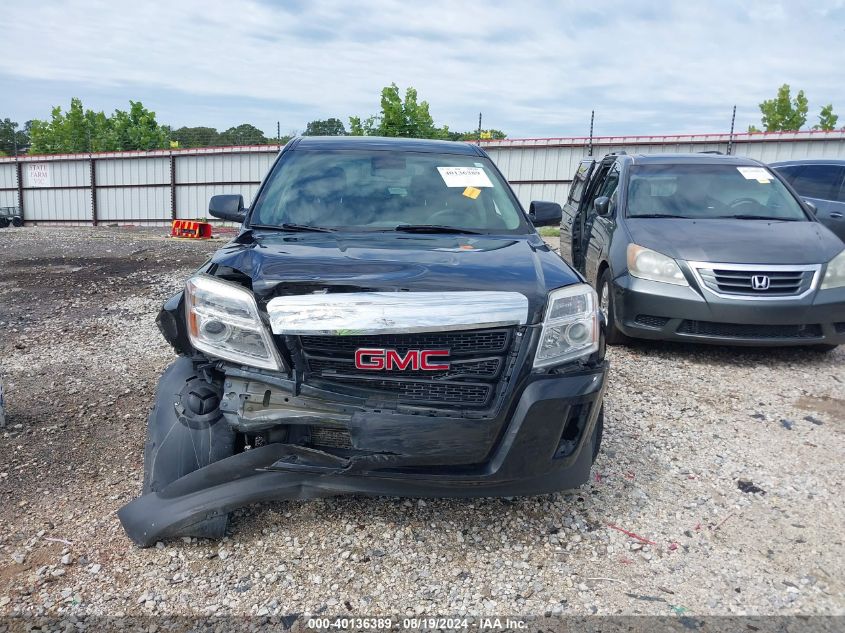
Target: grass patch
549,231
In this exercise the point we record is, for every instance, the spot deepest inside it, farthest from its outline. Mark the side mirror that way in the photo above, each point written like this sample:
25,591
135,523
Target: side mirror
545,213
811,206
227,207
602,205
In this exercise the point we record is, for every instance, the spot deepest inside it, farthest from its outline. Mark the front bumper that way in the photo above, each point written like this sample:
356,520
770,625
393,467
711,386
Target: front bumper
653,310
544,443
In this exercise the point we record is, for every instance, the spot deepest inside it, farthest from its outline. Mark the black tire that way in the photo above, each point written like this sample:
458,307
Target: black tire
4,222
186,431
612,334
598,433
17,221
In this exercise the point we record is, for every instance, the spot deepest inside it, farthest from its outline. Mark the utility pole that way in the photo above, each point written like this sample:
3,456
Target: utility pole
479,128
592,120
731,136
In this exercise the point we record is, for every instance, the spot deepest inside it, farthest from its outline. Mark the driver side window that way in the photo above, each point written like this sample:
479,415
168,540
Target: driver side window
608,187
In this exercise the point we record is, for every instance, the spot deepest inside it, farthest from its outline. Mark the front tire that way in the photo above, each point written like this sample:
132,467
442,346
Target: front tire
186,432
612,335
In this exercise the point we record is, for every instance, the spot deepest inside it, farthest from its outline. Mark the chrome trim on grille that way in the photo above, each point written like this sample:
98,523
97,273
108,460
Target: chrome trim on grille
697,267
352,313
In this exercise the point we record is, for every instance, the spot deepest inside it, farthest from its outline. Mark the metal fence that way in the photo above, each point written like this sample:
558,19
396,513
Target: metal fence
161,185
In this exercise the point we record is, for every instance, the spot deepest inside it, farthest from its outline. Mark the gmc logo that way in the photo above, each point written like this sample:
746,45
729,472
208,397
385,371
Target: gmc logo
377,359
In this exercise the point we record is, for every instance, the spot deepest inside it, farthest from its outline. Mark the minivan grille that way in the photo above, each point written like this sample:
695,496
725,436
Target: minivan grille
770,283
749,330
478,362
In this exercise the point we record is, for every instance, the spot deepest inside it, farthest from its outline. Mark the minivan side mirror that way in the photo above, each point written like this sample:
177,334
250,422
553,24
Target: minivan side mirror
602,205
545,213
227,207
811,206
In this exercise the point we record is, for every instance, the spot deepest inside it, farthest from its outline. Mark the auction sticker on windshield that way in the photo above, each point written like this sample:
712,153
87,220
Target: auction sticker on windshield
755,173
464,177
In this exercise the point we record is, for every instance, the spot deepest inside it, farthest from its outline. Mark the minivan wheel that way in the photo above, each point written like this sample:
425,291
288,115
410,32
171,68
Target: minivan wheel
17,221
612,335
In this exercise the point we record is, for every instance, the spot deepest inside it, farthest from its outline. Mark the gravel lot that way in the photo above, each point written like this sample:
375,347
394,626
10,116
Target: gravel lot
80,355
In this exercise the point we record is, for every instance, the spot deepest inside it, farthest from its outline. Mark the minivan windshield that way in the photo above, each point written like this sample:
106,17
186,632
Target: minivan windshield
707,191
386,191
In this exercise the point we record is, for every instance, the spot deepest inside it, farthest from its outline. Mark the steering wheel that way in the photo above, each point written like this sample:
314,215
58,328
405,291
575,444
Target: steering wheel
741,201
442,213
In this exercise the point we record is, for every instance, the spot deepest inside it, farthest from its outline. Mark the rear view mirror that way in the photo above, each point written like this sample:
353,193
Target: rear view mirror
545,213
812,207
227,207
602,205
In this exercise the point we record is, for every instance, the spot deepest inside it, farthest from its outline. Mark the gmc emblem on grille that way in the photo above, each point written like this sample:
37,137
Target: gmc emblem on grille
760,282
378,359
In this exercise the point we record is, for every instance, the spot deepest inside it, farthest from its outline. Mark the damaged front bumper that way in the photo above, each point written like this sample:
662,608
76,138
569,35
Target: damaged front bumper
543,441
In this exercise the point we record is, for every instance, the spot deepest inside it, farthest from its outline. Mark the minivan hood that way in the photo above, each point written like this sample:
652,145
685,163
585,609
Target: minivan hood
736,241
299,263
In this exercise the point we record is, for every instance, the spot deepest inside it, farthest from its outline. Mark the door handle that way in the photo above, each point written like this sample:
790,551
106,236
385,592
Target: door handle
835,214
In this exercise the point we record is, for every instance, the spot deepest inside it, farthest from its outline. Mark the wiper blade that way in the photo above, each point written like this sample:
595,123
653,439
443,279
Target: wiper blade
741,216
287,226
433,228
659,215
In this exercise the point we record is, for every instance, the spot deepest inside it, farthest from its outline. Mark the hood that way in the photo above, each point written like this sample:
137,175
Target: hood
736,241
299,263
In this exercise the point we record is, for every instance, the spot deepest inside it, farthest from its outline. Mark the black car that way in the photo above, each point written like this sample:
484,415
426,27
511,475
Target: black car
822,182
704,248
386,322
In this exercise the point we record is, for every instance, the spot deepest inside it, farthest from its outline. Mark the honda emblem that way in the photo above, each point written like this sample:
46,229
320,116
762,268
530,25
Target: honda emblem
760,282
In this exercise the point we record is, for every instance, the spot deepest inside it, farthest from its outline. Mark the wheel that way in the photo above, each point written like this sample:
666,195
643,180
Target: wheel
598,432
186,431
4,222
17,221
612,334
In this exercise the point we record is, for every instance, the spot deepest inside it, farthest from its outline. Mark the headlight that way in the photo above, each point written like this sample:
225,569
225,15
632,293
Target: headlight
648,264
223,321
834,276
571,326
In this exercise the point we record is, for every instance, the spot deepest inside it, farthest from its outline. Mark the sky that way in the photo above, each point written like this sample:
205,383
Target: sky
533,69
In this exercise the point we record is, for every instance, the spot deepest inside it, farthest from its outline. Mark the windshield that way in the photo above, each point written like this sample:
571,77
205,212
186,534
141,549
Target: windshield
384,190
709,191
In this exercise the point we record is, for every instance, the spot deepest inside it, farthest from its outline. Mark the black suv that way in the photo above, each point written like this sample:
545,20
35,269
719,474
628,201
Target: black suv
386,322
704,248
821,182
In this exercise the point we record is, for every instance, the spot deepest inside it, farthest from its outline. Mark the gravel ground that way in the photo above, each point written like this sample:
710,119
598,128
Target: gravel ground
686,427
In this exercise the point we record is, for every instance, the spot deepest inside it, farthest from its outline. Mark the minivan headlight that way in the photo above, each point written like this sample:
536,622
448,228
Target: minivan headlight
648,264
834,275
224,322
571,326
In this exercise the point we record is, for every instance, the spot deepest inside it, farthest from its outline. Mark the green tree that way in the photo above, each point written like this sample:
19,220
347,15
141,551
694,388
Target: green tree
408,118
827,119
473,136
244,134
12,137
196,136
327,127
137,129
80,130
783,113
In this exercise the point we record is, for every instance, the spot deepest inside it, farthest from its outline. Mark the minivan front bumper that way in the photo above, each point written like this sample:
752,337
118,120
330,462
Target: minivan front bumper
653,310
546,444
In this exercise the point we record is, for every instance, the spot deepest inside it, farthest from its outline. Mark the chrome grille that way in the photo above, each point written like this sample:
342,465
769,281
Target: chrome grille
760,282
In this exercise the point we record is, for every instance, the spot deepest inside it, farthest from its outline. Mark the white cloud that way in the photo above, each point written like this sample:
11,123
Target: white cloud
532,68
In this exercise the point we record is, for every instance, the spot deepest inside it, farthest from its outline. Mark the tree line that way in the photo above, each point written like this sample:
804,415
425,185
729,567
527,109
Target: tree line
81,130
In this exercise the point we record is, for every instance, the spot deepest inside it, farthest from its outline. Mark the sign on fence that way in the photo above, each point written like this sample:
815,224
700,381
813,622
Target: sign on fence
39,174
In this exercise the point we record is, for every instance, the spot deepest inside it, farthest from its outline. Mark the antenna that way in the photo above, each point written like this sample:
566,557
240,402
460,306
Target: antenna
731,136
592,119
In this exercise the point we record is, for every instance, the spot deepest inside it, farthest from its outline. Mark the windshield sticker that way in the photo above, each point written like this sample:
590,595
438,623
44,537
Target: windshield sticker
472,192
755,173
464,177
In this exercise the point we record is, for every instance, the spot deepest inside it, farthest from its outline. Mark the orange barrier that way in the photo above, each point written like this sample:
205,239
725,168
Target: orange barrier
190,229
